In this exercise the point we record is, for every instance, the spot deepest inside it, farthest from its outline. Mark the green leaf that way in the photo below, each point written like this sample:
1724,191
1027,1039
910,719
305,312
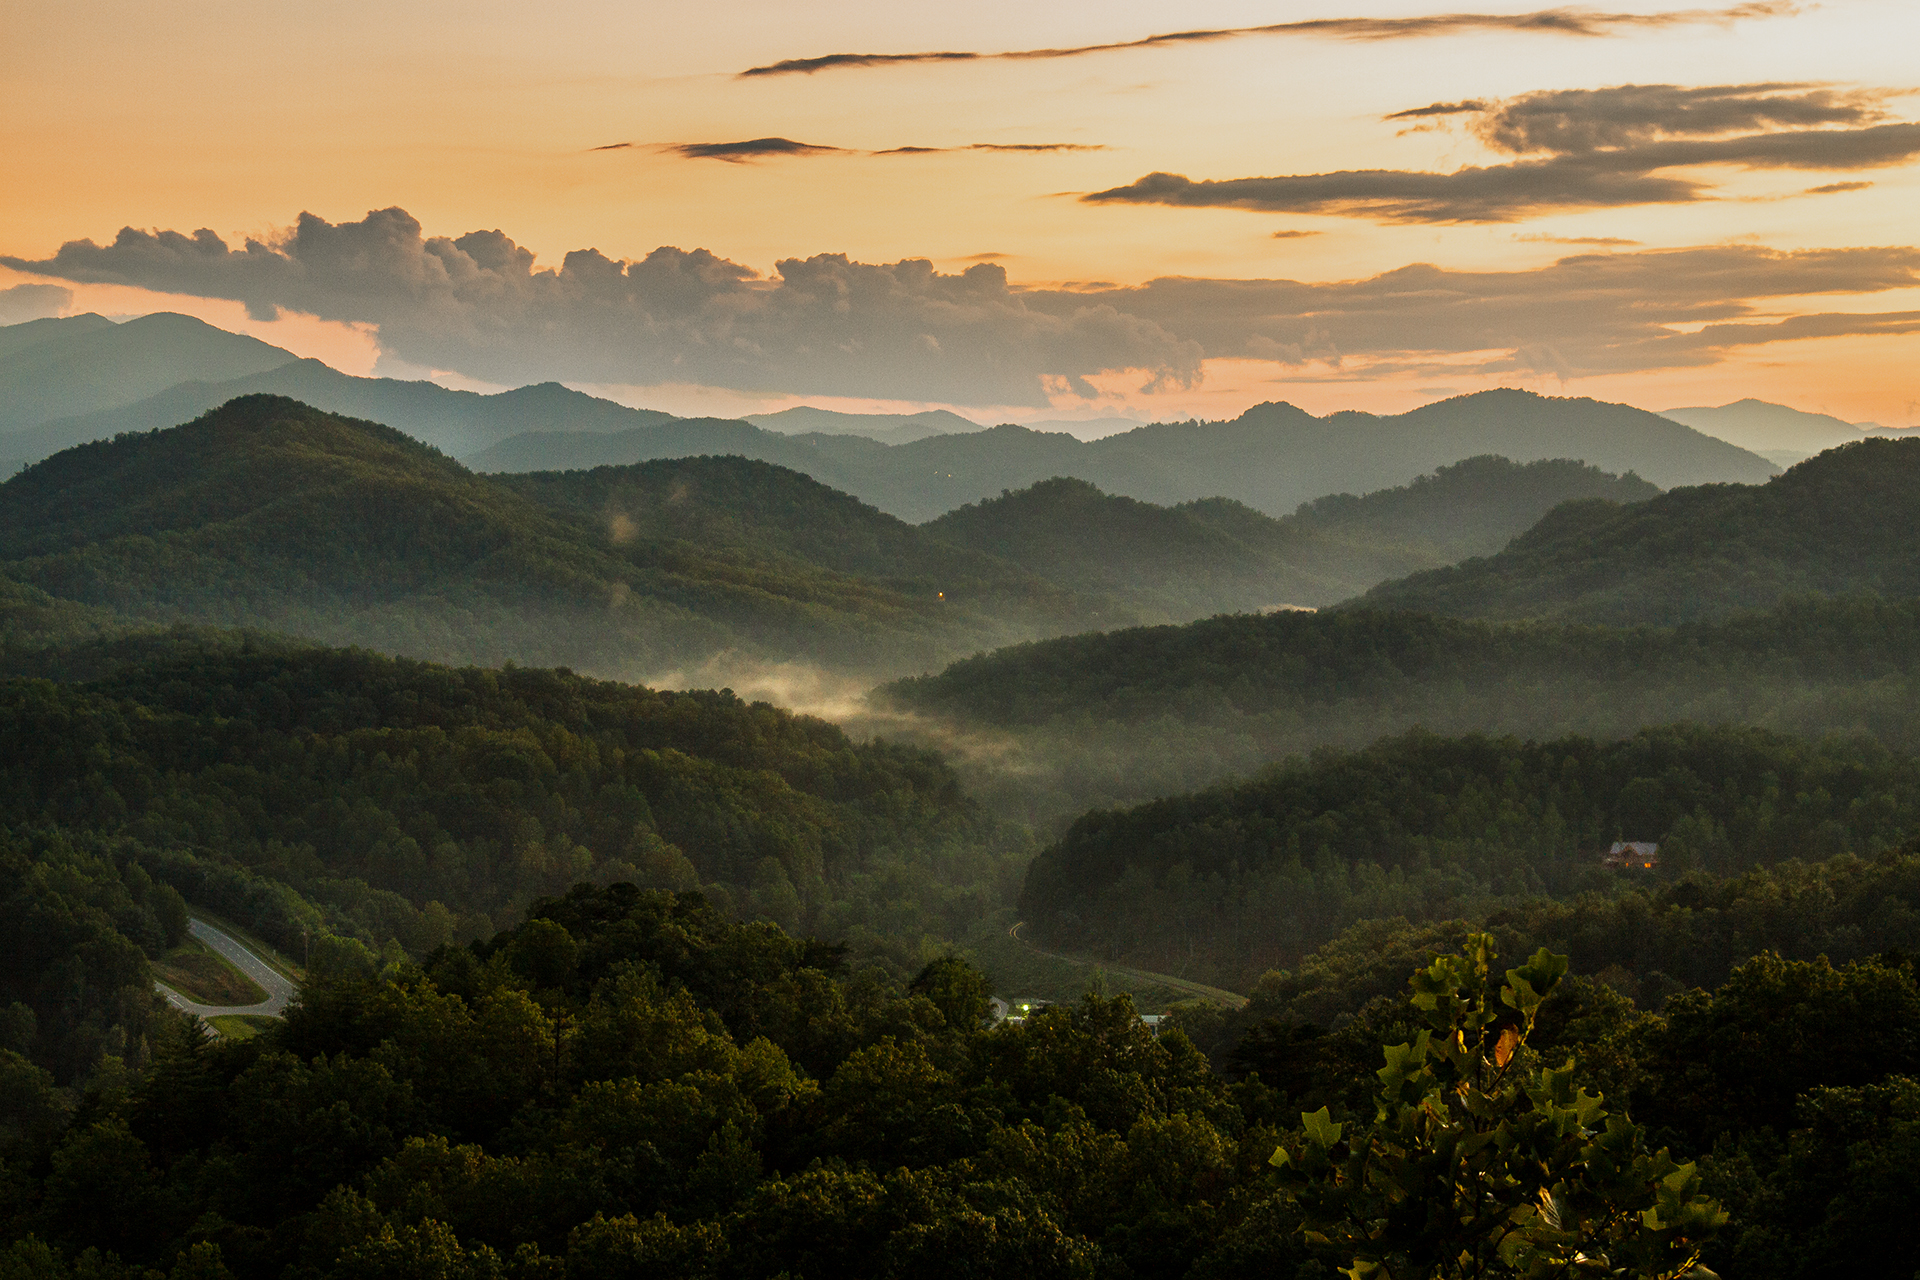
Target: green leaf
1280,1159
1320,1127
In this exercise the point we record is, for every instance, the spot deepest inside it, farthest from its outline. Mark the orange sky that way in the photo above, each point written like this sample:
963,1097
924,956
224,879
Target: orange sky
239,117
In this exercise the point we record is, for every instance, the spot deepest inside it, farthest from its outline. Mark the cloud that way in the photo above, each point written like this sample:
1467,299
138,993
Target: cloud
1471,106
1567,21
755,148
1587,314
1565,121
1834,188
25,302
824,325
752,149
1600,242
1293,234
1647,136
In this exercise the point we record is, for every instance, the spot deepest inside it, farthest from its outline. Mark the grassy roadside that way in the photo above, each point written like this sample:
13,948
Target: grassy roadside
236,1026
198,973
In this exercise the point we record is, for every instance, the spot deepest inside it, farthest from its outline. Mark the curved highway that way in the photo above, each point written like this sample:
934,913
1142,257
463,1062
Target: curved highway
280,991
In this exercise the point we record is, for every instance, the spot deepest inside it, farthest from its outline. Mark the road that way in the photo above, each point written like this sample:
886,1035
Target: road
279,991
1231,999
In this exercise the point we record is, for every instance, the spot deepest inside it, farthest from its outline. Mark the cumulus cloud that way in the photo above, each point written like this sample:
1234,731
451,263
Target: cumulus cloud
1579,149
25,302
825,325
1566,21
1587,314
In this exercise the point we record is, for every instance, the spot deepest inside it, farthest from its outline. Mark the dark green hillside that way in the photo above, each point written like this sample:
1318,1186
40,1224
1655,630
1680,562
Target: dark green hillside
1219,885
1128,715
758,509
415,801
271,514
1217,555
1845,521
1162,561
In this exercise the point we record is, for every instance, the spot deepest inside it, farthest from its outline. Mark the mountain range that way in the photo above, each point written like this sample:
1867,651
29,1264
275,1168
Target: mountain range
269,513
1272,458
65,382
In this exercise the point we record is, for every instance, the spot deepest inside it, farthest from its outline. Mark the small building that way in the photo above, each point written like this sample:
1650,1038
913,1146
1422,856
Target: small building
1632,855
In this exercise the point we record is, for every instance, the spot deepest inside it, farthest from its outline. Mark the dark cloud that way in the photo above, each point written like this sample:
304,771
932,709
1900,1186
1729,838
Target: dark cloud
824,325
1036,147
1834,188
612,146
1587,314
1581,179
1293,235
25,302
1564,121
1568,21
751,149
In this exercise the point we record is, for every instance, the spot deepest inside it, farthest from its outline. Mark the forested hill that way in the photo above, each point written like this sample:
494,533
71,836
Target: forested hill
1273,457
398,804
268,513
1219,885
1216,555
1845,521
1124,716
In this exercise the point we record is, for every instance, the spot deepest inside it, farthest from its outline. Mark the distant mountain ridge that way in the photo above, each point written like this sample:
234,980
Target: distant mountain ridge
1845,521
85,364
455,422
888,428
1777,432
1272,458
68,381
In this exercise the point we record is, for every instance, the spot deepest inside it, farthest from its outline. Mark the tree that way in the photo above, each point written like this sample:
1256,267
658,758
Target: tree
1482,1162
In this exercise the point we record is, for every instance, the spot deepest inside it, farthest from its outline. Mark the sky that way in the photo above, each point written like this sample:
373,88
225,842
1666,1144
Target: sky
1015,211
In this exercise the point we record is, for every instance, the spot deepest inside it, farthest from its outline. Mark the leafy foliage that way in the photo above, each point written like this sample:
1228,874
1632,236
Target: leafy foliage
1482,1161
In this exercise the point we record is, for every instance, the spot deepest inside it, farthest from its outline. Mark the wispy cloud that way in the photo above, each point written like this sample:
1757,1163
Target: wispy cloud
1592,313
763,148
1566,21
1835,188
1577,149
1597,242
